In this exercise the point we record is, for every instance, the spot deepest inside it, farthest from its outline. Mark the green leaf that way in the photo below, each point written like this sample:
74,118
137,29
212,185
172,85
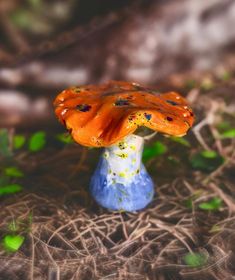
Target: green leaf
195,259
4,143
212,205
65,138
12,243
209,154
206,161
228,133
10,189
18,141
13,172
181,141
154,150
37,141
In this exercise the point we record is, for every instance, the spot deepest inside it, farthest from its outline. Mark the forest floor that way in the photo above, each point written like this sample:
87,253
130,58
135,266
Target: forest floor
52,229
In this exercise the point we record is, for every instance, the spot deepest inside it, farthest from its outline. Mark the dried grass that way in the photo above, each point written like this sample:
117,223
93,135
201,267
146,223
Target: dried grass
70,237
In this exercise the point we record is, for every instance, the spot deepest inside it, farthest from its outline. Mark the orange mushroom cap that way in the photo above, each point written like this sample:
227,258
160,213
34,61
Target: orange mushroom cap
99,116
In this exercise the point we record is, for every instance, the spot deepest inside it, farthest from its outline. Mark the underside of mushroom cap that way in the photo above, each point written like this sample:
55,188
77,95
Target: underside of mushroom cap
99,116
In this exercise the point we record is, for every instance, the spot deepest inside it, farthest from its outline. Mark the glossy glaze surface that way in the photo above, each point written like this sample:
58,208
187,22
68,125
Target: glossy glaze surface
121,181
100,116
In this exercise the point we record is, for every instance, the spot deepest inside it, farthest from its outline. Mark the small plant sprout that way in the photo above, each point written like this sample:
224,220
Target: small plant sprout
195,259
12,243
10,189
14,172
37,141
18,141
206,160
107,116
212,205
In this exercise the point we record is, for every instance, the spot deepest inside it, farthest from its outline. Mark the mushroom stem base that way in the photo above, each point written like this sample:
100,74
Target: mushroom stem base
121,181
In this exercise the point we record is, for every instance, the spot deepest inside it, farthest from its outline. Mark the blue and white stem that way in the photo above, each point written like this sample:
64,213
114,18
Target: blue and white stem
121,181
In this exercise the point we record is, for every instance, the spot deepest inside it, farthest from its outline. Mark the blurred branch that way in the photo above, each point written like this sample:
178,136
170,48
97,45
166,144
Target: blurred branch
143,43
14,35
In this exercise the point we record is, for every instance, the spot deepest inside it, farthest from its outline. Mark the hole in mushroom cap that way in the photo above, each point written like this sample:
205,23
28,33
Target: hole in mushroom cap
121,102
170,119
172,102
148,116
83,107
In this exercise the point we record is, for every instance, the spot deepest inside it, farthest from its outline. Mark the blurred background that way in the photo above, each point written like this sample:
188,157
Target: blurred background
46,46
50,228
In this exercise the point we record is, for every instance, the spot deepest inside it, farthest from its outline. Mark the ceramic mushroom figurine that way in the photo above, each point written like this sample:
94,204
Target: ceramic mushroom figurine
107,115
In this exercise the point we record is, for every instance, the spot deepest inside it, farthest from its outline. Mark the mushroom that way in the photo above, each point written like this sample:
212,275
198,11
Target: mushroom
107,116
